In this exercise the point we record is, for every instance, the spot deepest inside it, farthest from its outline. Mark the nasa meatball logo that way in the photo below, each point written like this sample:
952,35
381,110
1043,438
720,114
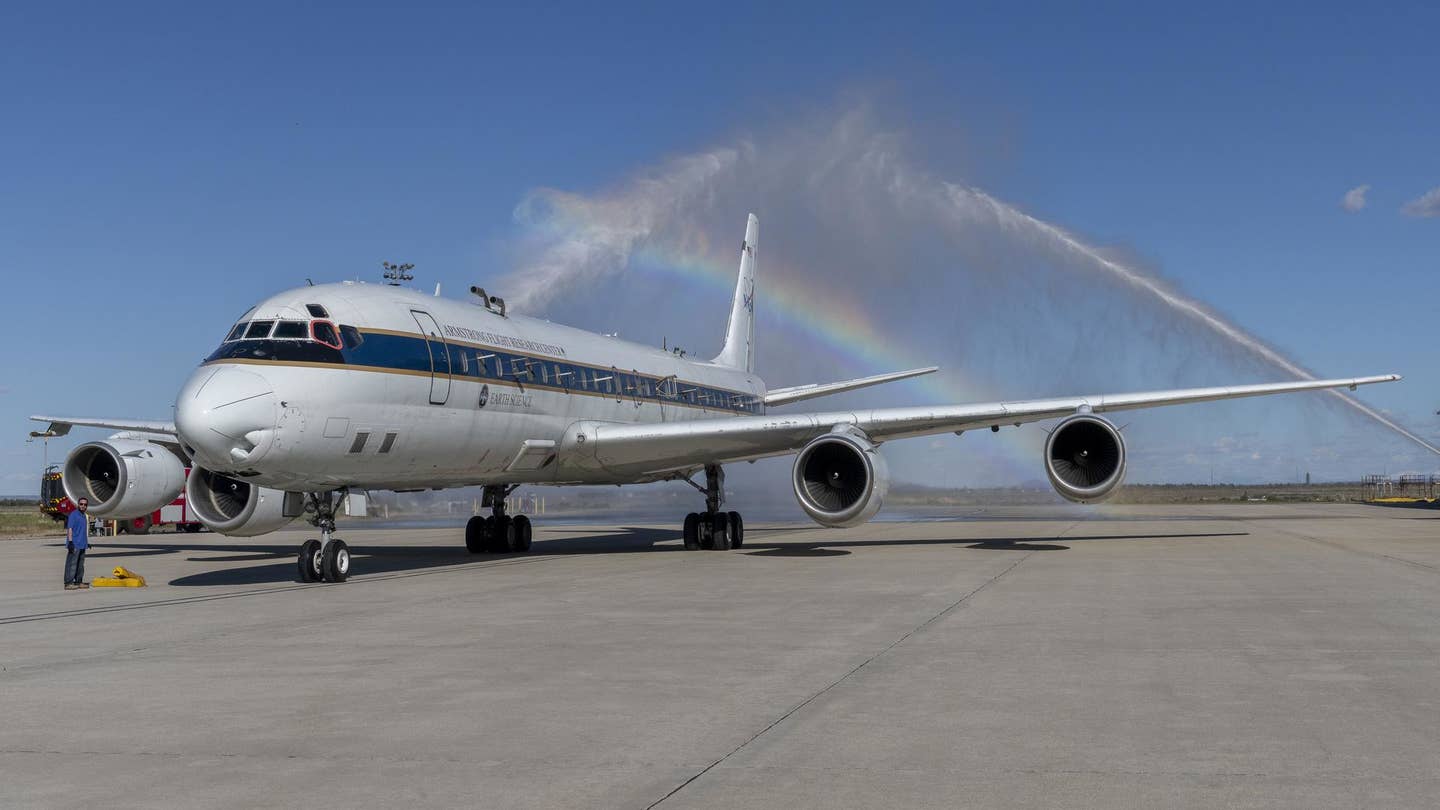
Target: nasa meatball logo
484,395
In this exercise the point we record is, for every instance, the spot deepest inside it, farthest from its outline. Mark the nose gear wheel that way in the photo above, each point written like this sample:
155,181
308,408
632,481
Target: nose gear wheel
328,558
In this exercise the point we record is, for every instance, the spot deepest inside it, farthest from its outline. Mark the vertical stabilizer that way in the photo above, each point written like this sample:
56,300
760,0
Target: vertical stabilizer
739,349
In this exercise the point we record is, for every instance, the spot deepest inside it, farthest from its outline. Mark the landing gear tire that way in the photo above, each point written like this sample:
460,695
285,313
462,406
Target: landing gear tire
705,528
737,530
720,531
308,564
502,538
335,560
475,534
523,533
691,532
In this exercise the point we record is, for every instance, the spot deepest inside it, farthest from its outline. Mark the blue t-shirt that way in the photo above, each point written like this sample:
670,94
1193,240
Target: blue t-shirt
79,527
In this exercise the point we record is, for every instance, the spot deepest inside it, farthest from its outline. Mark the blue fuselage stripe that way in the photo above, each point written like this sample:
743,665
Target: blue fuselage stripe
385,351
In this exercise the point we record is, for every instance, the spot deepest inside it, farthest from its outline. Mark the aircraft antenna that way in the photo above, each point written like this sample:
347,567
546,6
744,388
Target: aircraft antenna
397,274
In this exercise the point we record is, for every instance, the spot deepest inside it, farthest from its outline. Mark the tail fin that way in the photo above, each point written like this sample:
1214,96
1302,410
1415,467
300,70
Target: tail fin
739,349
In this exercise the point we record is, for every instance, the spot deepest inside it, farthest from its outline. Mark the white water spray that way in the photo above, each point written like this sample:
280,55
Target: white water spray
1007,215
848,173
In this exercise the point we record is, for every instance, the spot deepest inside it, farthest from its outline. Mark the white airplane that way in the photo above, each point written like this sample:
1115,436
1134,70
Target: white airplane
341,388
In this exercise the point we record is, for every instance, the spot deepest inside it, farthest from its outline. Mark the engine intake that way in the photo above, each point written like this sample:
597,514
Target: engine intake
234,507
123,478
1085,458
840,479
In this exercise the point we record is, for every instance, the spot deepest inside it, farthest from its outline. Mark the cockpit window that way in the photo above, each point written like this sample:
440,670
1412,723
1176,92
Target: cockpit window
316,311
236,332
351,335
324,332
258,330
294,330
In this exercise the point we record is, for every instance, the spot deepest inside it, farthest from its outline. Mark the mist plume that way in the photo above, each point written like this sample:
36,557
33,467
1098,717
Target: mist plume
852,180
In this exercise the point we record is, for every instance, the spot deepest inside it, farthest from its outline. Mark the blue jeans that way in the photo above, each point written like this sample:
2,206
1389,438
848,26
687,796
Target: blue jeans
74,564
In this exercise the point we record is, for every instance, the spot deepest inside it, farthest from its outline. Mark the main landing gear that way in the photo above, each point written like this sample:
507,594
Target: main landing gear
499,533
326,559
713,529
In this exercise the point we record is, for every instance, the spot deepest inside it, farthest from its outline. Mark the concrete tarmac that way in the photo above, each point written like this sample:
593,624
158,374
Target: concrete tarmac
1239,656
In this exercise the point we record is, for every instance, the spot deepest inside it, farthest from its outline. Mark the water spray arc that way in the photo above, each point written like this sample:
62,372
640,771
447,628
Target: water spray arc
963,199
843,176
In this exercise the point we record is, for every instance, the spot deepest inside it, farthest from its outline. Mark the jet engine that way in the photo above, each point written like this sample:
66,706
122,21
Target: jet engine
1085,458
840,479
123,478
231,506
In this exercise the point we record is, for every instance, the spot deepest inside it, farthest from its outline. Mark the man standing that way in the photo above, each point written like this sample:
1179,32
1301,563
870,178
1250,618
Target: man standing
77,539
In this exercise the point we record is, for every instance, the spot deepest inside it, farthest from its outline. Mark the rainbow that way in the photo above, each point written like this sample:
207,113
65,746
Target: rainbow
822,319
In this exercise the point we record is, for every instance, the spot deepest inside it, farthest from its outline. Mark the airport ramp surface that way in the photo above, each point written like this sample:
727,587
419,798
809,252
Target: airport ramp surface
1238,655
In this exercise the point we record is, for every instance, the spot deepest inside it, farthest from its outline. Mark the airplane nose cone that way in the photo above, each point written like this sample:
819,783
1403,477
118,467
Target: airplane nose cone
227,417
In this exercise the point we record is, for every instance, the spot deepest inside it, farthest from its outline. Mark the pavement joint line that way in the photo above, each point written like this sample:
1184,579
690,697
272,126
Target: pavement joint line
1375,554
186,600
787,715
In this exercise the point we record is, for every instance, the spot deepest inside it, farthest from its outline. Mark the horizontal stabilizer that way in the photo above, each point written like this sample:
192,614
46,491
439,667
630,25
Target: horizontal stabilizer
783,396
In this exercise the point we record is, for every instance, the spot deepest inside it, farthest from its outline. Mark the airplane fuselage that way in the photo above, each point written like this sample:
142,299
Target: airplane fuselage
373,386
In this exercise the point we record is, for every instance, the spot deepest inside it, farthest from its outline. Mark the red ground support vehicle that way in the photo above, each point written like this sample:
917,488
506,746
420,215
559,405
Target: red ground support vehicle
55,503
53,500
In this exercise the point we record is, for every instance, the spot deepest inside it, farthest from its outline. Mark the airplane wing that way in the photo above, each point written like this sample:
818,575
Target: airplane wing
656,449
782,396
60,425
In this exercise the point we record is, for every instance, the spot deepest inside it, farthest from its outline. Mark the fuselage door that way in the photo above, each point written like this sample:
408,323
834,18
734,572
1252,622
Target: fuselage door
439,356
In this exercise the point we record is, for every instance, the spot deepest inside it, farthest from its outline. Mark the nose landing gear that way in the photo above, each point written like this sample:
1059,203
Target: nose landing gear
499,533
326,559
713,529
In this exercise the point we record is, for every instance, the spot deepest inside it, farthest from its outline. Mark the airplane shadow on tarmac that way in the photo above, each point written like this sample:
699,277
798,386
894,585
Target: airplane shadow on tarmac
378,558
831,548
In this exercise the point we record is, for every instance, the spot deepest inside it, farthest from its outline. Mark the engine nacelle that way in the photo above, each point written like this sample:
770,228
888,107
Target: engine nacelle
123,478
1085,458
231,506
840,479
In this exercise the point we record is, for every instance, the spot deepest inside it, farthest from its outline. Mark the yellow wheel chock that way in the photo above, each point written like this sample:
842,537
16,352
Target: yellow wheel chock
121,577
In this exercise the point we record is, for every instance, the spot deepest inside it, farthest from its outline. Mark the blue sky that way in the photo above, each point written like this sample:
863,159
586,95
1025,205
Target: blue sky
166,165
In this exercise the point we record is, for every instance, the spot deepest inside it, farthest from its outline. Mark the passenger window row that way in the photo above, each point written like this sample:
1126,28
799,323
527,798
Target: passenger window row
477,363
